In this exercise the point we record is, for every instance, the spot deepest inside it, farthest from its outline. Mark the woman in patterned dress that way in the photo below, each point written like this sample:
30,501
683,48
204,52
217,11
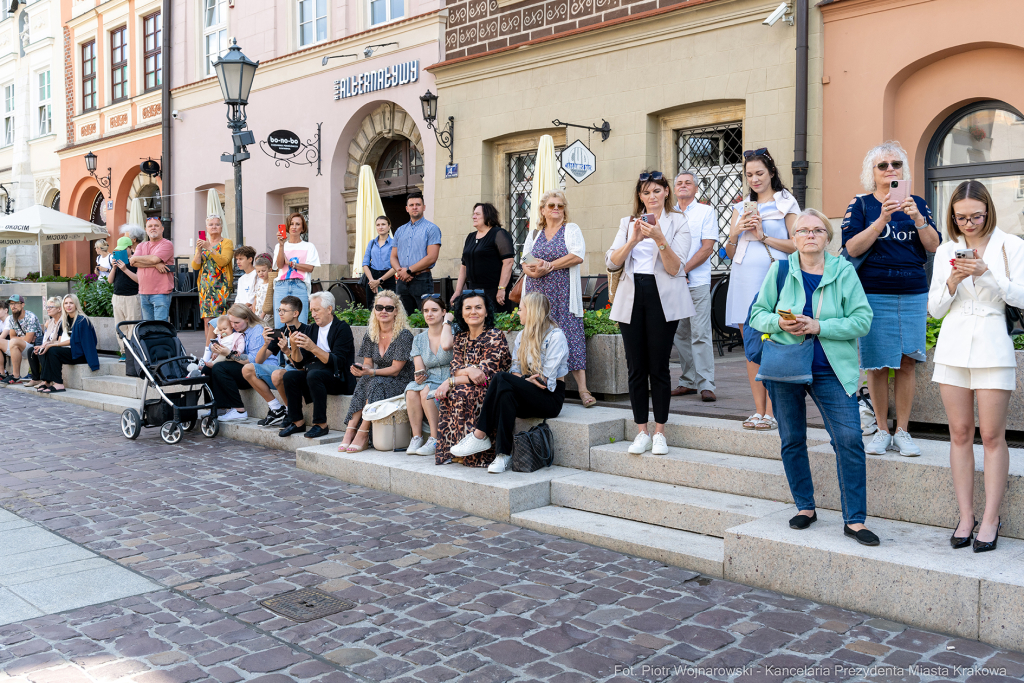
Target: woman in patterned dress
386,368
480,352
559,249
214,259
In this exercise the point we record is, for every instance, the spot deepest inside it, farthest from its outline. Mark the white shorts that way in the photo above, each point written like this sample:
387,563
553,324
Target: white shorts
976,378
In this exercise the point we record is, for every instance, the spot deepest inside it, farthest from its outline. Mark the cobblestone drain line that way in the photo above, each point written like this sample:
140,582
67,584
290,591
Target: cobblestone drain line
442,596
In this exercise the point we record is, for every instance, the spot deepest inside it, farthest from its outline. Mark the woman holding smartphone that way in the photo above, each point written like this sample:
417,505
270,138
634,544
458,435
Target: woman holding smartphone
651,299
294,259
214,259
377,260
432,358
977,274
766,217
888,238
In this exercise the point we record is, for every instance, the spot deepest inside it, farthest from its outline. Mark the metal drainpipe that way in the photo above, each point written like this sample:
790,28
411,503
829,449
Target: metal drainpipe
165,121
800,164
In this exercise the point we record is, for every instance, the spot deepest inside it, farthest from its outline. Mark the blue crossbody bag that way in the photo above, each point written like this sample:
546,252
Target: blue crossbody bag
789,363
752,344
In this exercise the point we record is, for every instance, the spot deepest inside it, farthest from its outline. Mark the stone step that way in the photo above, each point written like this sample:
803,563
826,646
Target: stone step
913,577
128,387
666,505
727,436
692,551
470,489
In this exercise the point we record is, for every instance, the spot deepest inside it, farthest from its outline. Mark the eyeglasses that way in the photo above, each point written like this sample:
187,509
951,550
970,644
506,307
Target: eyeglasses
379,307
282,309
884,165
51,306
759,152
804,232
653,175
977,219
430,296
559,207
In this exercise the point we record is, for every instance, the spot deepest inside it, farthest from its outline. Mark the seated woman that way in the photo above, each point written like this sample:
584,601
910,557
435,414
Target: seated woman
479,353
53,332
432,356
385,370
226,378
533,387
321,354
79,348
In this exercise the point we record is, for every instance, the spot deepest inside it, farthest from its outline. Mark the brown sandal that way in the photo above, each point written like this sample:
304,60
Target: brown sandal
588,399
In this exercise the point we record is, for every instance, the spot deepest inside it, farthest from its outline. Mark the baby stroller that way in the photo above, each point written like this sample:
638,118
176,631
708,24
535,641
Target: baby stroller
155,354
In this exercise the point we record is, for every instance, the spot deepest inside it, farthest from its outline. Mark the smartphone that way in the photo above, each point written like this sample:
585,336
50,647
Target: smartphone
647,218
786,314
282,231
529,258
277,334
202,235
750,207
899,190
966,253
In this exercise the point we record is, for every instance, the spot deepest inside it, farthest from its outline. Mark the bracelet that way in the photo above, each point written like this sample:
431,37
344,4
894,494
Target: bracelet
451,382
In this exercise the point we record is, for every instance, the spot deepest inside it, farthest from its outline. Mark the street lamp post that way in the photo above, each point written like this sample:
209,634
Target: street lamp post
235,72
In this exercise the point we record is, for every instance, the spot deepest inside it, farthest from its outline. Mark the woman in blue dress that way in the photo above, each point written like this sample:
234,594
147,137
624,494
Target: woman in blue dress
770,225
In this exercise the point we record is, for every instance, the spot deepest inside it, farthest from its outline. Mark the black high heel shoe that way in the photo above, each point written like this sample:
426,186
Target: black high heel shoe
962,541
985,546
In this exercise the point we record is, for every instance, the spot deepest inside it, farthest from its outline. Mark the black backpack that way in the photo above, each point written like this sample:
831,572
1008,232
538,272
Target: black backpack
533,449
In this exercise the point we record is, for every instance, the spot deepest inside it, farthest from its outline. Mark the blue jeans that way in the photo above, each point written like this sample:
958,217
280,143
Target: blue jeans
842,420
291,287
155,306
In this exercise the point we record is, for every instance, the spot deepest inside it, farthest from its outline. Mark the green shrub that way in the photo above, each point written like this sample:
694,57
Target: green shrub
416,320
932,332
354,315
96,295
594,322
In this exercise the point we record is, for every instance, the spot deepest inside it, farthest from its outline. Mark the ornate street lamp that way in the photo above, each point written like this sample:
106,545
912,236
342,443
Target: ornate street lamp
445,136
235,72
90,166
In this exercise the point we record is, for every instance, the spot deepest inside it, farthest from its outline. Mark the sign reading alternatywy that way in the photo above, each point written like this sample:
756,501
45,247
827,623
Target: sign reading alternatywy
381,79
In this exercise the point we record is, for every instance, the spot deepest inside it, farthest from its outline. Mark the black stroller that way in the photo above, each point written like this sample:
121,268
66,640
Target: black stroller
155,354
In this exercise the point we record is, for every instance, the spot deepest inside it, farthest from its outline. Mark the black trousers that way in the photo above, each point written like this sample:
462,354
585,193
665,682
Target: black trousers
410,292
492,294
313,385
384,284
35,364
648,342
225,383
509,397
53,361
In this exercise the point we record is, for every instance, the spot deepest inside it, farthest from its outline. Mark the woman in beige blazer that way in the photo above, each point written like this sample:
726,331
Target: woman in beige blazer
652,297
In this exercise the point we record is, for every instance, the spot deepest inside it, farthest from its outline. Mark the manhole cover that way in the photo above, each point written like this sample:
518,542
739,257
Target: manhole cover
306,604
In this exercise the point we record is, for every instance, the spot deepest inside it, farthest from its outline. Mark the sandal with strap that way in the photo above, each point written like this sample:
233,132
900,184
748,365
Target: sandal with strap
359,449
343,446
766,424
588,399
752,421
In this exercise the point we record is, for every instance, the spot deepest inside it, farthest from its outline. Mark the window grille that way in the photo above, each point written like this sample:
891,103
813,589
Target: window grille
520,185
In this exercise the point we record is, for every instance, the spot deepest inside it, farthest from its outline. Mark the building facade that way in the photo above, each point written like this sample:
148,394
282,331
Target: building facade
113,73
947,90
683,85
344,78
31,116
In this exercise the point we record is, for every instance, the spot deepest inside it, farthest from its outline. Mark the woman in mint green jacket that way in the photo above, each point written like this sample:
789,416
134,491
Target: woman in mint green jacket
824,294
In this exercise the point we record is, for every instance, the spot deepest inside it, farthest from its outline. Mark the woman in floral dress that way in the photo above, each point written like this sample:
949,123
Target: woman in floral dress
559,249
480,352
214,259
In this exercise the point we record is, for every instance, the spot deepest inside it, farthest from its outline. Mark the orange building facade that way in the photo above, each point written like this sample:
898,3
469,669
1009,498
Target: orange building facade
942,77
113,75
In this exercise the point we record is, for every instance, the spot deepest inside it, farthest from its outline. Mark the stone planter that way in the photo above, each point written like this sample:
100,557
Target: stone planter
106,334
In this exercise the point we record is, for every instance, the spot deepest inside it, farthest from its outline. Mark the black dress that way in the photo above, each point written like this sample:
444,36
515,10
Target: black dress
482,258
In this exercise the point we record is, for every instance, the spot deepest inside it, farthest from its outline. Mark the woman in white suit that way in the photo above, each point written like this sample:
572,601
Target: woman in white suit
652,297
974,354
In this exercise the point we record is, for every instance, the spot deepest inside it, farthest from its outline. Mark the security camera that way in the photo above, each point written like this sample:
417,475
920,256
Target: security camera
175,115
368,52
779,13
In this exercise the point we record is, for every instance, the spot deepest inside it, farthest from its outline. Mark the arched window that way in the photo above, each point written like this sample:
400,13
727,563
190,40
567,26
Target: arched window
985,142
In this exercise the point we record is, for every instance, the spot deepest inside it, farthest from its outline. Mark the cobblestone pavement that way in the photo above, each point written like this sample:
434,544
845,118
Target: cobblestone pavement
440,596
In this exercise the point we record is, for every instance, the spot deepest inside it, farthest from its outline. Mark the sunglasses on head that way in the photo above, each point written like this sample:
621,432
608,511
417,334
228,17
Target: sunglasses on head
759,152
430,296
474,292
380,307
653,175
884,165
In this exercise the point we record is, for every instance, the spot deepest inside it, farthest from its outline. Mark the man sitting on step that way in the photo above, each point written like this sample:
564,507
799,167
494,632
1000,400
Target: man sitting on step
266,372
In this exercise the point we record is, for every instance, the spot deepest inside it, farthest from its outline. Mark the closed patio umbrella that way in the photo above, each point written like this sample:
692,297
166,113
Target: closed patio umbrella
135,214
38,225
545,176
213,207
368,208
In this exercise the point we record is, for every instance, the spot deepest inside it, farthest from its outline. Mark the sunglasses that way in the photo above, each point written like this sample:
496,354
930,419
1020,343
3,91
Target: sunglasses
556,206
654,175
430,296
884,165
759,152
474,292
379,307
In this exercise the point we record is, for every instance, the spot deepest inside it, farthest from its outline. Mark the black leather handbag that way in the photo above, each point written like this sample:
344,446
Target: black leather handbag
1014,316
533,449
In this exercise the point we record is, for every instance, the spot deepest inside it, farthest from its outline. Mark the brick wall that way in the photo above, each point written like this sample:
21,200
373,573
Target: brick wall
476,26
69,87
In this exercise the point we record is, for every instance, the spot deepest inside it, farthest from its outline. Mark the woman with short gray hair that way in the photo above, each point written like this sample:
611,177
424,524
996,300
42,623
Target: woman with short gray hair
135,232
887,234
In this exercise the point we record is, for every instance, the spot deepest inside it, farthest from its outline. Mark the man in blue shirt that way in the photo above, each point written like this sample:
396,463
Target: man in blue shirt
417,244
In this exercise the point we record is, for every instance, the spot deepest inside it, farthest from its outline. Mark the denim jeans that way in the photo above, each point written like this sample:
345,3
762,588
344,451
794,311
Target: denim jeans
841,416
410,292
155,306
290,287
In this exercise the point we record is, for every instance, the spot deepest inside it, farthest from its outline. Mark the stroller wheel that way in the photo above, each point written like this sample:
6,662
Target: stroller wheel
131,424
188,425
171,432
210,426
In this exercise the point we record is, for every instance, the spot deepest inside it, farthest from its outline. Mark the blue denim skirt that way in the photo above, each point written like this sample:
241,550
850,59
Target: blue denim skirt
897,330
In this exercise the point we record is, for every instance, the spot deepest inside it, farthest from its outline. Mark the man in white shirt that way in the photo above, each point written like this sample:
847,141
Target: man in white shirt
693,334
245,293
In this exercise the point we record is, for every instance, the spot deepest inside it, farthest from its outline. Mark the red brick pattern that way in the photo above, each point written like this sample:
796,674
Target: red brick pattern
69,88
476,26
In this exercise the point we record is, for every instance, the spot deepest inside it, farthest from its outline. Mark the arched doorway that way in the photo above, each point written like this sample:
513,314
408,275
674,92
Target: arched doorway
98,212
399,172
983,141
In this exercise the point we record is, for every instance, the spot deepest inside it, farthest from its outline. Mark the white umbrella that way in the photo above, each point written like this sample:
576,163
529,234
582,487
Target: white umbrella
135,215
368,208
38,225
213,207
545,176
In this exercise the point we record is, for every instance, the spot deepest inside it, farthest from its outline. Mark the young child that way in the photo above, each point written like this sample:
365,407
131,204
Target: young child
226,337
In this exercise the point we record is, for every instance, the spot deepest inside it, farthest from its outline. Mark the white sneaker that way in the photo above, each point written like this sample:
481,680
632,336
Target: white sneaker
879,444
470,445
641,444
660,445
414,445
502,463
429,448
905,445
233,415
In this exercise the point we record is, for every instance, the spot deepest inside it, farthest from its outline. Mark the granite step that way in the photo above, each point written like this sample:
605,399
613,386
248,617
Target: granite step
692,551
913,577
665,505
128,387
726,436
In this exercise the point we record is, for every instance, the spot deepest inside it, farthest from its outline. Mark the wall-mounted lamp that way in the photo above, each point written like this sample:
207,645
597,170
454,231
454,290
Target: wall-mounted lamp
445,136
324,61
90,166
368,50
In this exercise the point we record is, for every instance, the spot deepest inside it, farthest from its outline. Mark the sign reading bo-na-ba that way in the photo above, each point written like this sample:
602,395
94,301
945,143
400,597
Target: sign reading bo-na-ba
381,79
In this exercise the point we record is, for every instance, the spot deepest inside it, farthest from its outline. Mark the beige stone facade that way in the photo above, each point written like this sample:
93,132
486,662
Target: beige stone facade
650,75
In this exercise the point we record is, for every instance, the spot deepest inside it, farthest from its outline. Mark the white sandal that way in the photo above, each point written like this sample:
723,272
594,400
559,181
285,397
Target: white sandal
752,421
767,424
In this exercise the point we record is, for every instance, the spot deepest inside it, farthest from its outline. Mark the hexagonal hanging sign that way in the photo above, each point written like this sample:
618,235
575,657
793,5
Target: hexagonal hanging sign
578,161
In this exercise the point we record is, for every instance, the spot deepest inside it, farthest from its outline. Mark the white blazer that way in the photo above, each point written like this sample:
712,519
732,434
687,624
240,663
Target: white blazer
673,290
973,333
